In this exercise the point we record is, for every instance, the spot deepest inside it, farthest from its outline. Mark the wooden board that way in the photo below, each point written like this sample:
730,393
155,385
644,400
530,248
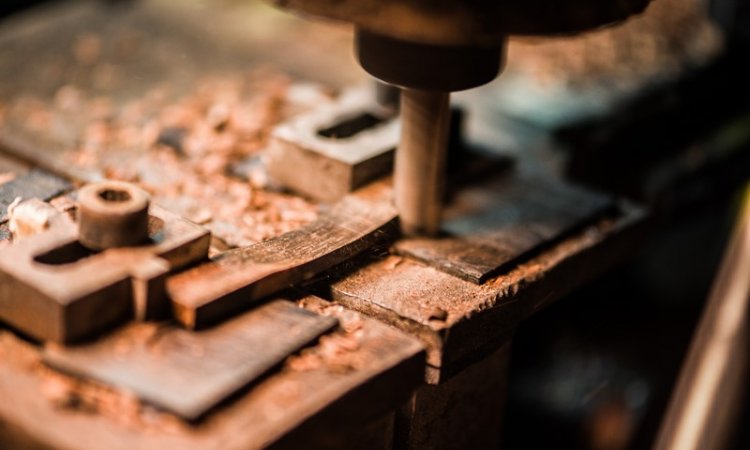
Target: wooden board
461,322
239,277
332,389
33,184
191,372
489,227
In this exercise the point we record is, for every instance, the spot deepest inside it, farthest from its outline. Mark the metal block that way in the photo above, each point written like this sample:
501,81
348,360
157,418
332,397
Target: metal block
53,288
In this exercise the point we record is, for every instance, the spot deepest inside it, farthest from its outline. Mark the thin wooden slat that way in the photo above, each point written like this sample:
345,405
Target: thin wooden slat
490,227
191,372
240,277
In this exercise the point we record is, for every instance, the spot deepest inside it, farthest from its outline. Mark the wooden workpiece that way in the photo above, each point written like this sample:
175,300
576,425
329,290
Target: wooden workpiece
237,278
342,146
325,397
460,321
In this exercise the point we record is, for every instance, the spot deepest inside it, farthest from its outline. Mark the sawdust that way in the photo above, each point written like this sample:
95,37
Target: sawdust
75,395
201,156
336,352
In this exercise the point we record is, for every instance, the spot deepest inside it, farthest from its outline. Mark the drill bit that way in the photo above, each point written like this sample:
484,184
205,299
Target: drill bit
419,175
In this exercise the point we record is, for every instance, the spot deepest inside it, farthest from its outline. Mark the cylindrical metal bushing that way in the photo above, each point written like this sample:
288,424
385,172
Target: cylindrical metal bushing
112,214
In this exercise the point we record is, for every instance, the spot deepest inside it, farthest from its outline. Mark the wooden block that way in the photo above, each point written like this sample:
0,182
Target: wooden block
335,149
34,184
489,227
460,321
465,412
239,277
52,288
324,394
189,373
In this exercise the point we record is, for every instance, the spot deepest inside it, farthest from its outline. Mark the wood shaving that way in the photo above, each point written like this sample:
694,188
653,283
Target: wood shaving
336,352
72,394
201,156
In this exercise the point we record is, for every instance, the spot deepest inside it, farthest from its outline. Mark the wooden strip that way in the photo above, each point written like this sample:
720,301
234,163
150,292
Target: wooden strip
491,226
34,184
239,277
188,372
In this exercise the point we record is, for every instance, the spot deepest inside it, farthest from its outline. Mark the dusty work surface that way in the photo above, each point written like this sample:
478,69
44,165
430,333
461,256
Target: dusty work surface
158,95
350,377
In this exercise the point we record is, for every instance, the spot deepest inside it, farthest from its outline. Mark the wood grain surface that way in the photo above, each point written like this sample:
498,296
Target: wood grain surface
239,277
